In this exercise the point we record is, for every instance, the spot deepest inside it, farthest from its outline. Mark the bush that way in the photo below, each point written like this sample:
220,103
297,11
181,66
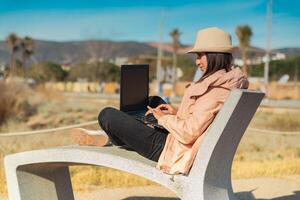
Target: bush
289,66
46,71
14,101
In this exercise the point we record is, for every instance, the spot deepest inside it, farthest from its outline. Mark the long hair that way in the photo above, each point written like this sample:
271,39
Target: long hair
217,61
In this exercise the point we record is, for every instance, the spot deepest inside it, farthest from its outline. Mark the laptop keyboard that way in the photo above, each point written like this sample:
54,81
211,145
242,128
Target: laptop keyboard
149,119
146,119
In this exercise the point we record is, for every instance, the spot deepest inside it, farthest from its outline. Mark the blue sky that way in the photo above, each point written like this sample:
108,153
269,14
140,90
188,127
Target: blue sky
134,20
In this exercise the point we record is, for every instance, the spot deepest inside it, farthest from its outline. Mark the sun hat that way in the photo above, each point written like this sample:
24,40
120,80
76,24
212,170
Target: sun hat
212,39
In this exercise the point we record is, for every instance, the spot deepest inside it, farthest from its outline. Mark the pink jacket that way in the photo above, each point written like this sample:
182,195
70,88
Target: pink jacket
200,104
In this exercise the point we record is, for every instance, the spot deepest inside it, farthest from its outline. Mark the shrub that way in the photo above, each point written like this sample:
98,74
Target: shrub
14,101
289,66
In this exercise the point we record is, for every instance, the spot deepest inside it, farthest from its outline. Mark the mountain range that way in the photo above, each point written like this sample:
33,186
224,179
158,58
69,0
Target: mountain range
85,51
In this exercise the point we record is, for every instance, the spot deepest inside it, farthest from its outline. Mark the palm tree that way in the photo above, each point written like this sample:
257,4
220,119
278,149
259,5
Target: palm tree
244,34
13,42
27,45
176,44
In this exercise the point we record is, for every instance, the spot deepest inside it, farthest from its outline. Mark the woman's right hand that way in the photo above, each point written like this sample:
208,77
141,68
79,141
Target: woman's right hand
167,108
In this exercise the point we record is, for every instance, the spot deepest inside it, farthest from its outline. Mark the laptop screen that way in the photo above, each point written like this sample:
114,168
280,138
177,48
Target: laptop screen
134,87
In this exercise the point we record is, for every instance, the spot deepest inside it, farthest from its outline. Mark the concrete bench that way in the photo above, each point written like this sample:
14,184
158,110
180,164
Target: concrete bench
44,174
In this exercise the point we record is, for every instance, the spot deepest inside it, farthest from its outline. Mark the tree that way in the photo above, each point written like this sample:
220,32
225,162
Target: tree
27,46
244,34
109,72
13,42
96,71
176,44
46,71
289,66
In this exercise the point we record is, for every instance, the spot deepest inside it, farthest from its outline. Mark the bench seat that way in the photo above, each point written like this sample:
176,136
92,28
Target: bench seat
44,174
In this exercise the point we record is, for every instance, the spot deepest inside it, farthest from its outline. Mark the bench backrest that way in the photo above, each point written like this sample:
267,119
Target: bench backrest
214,158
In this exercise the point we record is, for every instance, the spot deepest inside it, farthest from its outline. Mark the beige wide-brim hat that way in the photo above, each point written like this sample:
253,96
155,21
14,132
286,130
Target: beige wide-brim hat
212,39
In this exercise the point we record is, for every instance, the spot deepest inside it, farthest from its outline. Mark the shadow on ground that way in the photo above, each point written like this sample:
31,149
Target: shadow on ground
250,196
239,195
151,198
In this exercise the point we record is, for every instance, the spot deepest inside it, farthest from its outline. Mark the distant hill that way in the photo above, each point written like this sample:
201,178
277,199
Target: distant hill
85,51
290,52
253,51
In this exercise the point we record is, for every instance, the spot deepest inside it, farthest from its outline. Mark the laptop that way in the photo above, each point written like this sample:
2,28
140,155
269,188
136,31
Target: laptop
134,92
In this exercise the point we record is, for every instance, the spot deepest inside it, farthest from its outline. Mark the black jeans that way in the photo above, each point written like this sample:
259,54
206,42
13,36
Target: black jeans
123,130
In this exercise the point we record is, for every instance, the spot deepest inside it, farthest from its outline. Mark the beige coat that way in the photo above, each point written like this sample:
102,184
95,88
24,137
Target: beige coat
200,104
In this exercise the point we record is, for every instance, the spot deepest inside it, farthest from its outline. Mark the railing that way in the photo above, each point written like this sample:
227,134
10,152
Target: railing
10,134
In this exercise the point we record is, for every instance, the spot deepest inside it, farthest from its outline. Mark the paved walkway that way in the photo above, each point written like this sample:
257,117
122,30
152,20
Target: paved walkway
248,189
268,188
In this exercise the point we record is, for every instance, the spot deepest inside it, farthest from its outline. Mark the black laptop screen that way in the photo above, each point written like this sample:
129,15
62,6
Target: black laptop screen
134,88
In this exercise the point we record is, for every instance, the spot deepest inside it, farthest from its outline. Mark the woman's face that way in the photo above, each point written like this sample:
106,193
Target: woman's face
201,62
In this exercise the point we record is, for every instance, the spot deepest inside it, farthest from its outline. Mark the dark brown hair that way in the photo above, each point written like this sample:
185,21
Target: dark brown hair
217,61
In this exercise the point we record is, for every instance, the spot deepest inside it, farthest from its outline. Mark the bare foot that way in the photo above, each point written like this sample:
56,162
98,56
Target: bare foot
87,137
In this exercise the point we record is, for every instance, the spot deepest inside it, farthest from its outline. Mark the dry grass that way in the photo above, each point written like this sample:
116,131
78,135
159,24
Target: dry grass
269,155
2,181
258,154
14,101
281,119
266,168
85,178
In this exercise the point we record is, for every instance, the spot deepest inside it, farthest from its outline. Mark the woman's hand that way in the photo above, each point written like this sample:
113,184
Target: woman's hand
157,113
161,110
167,108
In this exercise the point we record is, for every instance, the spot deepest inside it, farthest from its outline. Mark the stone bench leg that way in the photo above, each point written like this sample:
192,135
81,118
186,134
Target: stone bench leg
37,182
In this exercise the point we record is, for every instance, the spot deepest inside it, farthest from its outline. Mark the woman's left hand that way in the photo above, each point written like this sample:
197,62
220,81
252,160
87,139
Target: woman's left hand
157,113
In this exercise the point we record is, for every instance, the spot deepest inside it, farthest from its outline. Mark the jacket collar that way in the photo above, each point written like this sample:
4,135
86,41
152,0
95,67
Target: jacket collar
199,88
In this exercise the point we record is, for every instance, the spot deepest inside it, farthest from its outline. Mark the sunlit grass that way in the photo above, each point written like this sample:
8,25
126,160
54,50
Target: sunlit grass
265,168
2,180
280,119
84,178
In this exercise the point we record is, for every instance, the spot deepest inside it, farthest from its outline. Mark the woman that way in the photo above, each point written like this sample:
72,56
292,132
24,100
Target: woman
175,151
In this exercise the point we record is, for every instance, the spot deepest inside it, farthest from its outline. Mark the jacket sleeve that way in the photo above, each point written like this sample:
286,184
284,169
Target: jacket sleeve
188,130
